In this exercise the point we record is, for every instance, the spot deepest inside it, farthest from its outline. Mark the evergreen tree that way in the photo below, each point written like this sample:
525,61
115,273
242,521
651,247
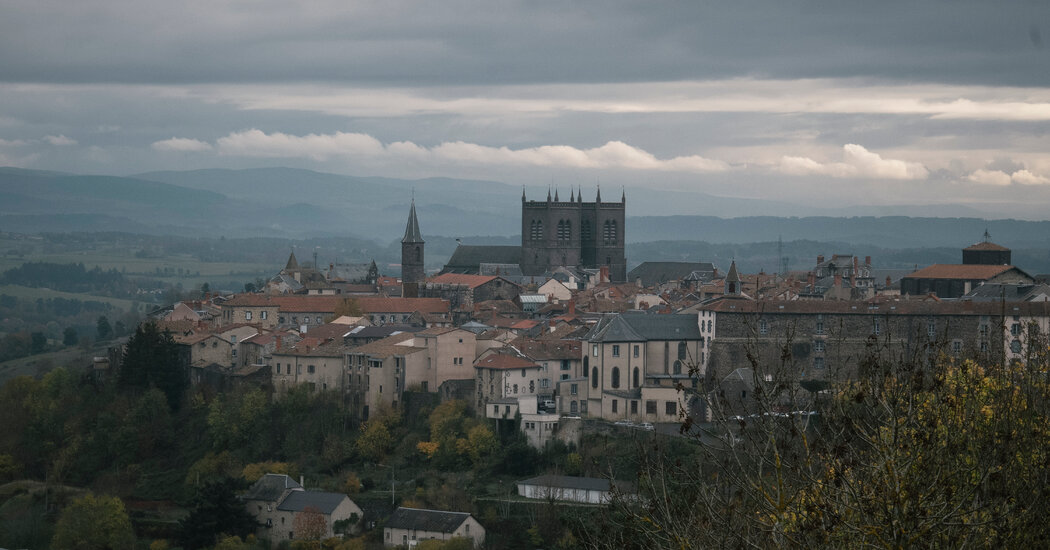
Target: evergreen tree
103,329
216,510
152,358
70,337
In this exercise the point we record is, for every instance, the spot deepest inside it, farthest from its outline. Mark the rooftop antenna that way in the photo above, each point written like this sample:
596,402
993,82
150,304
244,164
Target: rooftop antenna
987,237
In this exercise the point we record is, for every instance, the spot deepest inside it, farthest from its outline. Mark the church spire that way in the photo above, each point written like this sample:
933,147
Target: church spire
412,234
623,195
292,264
522,193
732,284
598,198
556,195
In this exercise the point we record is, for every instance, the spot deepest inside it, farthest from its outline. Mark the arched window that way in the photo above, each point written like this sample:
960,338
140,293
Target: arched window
594,377
678,367
586,366
637,382
515,389
616,377
609,231
564,230
681,351
532,386
536,230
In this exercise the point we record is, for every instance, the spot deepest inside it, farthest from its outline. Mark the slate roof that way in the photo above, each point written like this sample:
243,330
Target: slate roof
549,349
297,501
412,234
654,273
382,331
426,520
468,258
895,307
388,347
574,482
642,327
270,487
1009,293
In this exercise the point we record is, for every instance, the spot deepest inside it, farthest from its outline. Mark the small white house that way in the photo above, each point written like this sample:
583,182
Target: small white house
407,526
591,490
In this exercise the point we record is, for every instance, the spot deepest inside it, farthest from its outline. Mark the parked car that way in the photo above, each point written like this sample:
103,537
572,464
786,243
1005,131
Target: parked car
647,426
548,404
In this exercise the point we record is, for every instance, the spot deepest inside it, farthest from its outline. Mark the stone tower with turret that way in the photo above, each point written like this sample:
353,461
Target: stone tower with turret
412,272
573,233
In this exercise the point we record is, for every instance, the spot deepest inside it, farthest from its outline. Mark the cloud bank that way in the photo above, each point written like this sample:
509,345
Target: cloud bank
857,162
183,145
320,147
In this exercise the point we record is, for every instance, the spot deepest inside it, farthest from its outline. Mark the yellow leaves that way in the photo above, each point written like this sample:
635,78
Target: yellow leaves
428,448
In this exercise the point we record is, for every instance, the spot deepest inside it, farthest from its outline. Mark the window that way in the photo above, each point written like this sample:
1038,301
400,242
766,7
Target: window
820,324
984,346
671,408
310,369
564,377
609,231
572,389
1015,346
678,367
636,380
233,352
247,316
536,230
594,350
613,405
263,315
564,230
594,377
763,327
984,330
931,329
523,373
565,364
818,346
616,377
956,346
545,383
616,350
572,407
634,407
318,320
650,407
1015,329
818,362
682,350
515,389
876,327
532,386
636,350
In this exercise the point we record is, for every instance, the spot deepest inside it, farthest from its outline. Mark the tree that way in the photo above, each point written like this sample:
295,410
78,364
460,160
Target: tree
152,358
310,524
915,451
91,522
375,441
216,511
103,330
69,337
348,307
38,342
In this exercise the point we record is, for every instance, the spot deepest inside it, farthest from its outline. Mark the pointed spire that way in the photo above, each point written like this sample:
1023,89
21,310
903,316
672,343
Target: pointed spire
598,198
292,264
623,195
732,284
556,195
522,193
412,234
548,194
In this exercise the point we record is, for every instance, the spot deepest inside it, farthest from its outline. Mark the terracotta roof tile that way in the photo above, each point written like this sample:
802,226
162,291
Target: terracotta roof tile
959,271
471,281
986,246
503,361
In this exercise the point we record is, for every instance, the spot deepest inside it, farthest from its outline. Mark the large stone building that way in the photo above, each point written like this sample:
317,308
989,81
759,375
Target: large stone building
573,233
556,233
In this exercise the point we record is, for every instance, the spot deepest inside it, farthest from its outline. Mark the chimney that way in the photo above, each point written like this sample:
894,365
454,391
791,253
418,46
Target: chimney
572,306
820,259
279,343
867,261
812,280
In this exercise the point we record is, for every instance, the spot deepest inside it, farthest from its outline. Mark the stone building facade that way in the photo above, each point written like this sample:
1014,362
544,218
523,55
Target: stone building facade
573,233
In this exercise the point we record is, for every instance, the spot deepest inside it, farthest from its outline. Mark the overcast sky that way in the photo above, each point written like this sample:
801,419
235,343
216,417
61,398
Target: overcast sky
844,102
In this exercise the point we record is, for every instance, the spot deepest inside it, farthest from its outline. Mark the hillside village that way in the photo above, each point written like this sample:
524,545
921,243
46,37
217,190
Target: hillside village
559,351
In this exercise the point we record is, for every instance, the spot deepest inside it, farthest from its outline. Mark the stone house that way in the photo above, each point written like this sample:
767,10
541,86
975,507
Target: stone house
317,364
376,373
449,356
407,525
635,363
463,291
276,499
504,374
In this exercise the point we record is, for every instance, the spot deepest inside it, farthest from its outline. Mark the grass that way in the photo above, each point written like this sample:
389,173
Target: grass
40,363
31,293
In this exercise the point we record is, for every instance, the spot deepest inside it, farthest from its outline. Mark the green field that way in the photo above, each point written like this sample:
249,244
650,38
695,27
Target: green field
36,365
30,293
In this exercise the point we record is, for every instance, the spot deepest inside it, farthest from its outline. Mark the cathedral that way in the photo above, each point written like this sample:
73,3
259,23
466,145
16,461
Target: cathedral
554,233
573,233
